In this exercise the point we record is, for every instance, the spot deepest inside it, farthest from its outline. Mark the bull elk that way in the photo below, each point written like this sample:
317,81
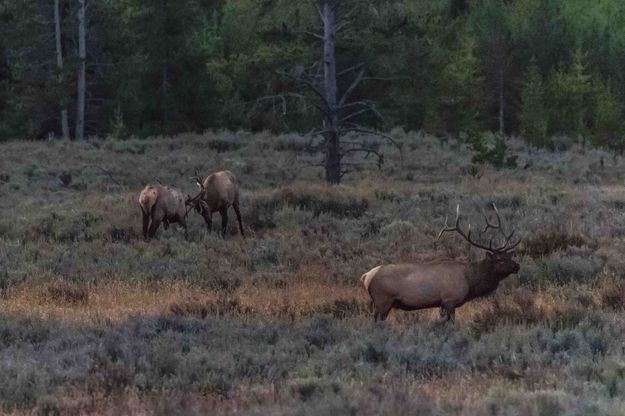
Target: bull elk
218,192
161,204
447,284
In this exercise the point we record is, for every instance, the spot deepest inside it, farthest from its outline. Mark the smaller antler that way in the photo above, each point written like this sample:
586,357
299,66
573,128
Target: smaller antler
198,179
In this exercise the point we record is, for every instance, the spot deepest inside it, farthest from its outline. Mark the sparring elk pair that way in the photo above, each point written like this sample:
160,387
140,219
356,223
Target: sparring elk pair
167,205
447,284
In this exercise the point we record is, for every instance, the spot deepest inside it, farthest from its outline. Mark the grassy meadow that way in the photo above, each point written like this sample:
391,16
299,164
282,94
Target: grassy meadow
93,320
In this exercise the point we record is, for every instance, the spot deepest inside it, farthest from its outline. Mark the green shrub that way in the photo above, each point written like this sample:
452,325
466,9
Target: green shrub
222,145
339,201
22,383
544,244
507,400
265,252
215,383
61,228
490,148
131,146
561,268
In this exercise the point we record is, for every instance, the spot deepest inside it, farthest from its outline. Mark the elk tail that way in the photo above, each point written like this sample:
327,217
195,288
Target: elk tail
367,277
147,200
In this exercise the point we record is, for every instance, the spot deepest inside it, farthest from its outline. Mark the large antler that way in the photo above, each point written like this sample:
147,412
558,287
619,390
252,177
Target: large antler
456,228
467,235
498,226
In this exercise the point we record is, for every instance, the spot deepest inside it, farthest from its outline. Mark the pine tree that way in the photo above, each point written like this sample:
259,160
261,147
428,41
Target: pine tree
571,105
534,119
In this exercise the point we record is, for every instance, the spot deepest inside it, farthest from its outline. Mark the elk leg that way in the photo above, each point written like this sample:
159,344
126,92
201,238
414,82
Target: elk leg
382,308
182,222
208,219
448,313
153,227
383,311
224,221
452,315
238,213
146,223
157,218
384,315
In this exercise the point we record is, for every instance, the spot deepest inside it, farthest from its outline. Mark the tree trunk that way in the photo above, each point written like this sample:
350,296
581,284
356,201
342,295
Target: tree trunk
82,73
59,65
333,144
164,92
501,88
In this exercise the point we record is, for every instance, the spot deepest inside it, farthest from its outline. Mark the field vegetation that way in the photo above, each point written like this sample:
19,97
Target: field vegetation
95,320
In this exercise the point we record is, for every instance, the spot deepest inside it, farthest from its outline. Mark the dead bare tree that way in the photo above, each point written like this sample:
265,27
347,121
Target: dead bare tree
59,65
82,71
340,113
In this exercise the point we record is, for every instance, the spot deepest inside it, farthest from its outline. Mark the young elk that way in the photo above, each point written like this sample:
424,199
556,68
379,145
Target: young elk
161,204
218,192
447,284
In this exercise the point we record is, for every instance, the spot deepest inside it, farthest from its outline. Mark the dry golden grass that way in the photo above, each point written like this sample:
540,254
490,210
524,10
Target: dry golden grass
295,300
118,301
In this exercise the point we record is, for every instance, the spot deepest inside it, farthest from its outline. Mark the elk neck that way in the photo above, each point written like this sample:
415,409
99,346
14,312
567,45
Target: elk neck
482,279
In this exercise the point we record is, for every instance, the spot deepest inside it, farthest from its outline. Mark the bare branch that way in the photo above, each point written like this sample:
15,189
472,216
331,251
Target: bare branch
354,104
350,69
341,25
313,34
355,114
352,87
385,78
309,84
319,11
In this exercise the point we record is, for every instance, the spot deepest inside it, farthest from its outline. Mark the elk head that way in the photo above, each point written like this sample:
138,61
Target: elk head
197,202
198,180
499,257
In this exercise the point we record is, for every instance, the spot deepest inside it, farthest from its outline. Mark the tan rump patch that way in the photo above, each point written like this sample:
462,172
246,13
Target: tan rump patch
366,278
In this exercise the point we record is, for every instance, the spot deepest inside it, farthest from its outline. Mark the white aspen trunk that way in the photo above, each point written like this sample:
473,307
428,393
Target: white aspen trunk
59,65
82,82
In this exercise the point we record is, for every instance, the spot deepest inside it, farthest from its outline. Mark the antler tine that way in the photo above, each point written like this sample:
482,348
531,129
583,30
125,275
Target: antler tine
513,246
505,242
198,178
491,225
440,234
505,247
466,236
447,228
